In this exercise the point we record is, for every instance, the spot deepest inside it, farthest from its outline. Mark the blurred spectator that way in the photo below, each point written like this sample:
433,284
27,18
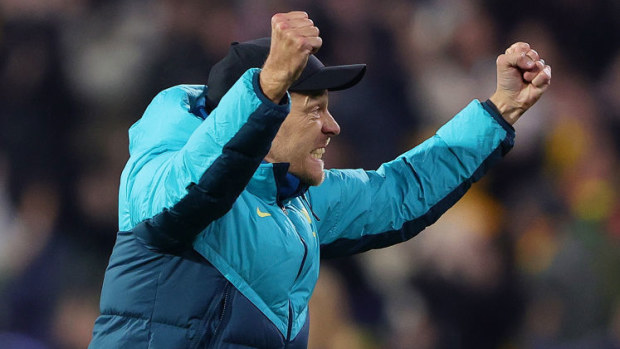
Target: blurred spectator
332,325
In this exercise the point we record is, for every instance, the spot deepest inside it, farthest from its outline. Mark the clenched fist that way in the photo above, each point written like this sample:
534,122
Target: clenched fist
293,38
522,77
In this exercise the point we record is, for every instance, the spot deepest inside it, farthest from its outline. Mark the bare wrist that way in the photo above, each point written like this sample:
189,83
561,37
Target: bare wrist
274,83
271,89
509,112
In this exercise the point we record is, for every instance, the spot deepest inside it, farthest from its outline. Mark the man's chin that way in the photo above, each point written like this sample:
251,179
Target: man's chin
311,178
311,173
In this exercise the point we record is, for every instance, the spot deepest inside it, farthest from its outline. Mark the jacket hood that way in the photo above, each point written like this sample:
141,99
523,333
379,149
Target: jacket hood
153,131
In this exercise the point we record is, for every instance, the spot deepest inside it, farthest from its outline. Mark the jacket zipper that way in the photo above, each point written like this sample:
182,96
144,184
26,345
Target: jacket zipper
301,267
303,196
290,324
290,307
303,260
226,292
303,242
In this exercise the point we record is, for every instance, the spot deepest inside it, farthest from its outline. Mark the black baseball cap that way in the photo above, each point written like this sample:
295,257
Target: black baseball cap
252,54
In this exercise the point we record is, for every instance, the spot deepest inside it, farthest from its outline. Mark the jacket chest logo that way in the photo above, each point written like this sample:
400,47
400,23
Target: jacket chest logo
262,214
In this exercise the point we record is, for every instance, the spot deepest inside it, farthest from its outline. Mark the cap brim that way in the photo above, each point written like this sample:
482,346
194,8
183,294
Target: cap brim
332,78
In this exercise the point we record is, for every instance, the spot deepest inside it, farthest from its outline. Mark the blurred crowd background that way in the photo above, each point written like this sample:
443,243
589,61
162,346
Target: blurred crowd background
530,258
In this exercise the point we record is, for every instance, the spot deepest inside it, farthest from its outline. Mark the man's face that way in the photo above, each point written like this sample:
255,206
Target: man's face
303,136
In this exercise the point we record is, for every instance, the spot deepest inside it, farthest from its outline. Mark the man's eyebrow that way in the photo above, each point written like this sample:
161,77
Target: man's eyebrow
311,103
317,101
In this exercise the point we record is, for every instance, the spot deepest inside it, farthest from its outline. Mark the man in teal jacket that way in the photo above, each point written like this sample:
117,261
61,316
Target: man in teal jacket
225,208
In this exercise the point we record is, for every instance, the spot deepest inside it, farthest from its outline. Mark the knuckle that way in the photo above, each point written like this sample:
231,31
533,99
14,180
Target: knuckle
281,26
519,46
277,17
319,42
314,44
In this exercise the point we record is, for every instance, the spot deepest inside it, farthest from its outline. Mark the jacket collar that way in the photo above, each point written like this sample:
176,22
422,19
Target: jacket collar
273,183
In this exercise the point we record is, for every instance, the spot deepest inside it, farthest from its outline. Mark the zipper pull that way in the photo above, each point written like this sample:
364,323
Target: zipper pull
303,196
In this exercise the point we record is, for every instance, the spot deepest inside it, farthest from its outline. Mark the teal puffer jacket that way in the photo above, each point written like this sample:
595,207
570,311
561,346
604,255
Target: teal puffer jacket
268,245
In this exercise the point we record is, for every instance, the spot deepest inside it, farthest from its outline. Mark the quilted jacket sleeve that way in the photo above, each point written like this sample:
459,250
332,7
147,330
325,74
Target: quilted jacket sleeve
215,193
170,148
362,210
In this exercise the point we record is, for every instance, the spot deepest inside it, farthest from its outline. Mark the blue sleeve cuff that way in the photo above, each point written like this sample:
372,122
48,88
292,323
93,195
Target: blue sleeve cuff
492,109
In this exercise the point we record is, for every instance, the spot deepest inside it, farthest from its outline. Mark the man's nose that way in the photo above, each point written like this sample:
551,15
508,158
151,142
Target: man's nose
330,126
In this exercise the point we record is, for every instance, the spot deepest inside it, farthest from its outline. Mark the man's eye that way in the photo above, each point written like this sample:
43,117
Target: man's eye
314,113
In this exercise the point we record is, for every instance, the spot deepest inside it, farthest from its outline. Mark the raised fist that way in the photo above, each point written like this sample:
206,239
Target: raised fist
522,77
293,38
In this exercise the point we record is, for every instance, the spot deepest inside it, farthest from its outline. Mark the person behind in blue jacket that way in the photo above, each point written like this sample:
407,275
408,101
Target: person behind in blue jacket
225,208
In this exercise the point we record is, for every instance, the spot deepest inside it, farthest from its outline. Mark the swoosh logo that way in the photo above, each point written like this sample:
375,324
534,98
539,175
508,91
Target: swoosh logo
262,214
